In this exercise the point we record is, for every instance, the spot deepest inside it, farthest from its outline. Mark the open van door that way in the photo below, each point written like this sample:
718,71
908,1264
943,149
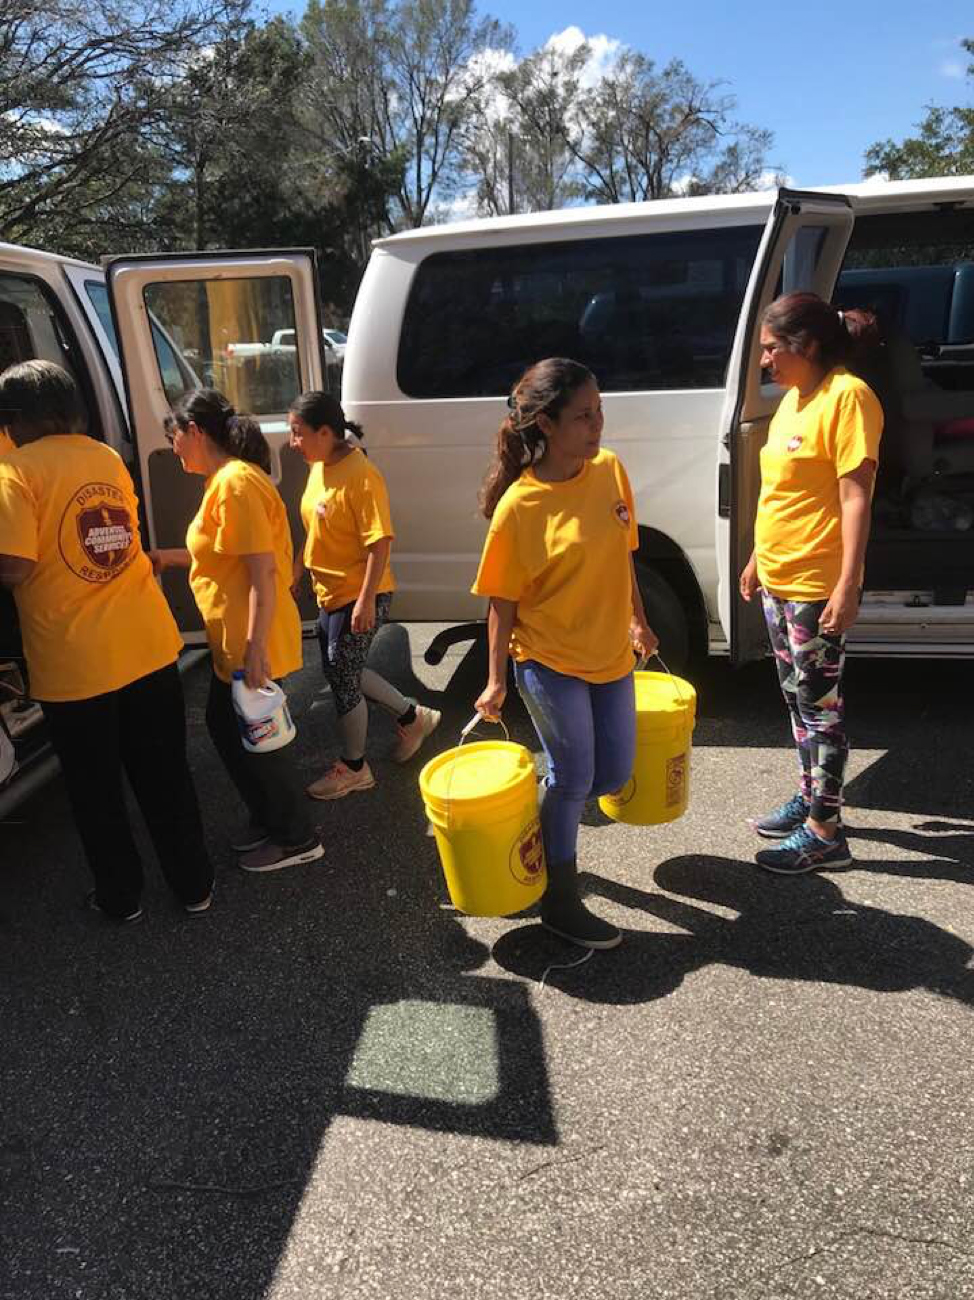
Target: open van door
803,247
210,320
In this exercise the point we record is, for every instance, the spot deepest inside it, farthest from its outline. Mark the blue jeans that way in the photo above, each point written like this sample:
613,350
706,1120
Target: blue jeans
588,732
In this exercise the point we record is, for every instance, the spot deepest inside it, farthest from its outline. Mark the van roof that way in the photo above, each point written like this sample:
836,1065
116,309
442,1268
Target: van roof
754,206
31,256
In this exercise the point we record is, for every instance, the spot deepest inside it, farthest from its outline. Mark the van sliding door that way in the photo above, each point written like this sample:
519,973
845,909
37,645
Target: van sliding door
194,320
803,248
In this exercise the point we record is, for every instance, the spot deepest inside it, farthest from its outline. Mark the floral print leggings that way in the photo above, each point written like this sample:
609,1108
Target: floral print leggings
810,672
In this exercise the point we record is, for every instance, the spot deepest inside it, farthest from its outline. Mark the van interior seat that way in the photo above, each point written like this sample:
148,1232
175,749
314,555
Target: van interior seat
914,434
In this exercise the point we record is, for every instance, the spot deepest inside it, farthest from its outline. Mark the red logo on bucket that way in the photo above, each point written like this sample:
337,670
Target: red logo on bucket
527,855
676,780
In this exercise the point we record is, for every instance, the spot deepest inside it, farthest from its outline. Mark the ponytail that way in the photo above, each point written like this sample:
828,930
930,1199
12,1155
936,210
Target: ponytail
318,409
544,389
239,436
845,338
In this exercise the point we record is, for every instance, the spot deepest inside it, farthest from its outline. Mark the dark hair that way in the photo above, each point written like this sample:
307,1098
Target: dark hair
38,399
237,435
845,338
544,389
318,409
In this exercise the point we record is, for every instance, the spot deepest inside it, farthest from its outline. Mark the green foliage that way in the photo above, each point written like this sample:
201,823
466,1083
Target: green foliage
943,145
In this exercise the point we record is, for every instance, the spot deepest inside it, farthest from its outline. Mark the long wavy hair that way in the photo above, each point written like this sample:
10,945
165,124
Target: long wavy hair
544,389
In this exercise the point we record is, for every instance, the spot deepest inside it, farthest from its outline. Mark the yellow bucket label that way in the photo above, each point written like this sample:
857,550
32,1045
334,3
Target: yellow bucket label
623,796
676,780
527,854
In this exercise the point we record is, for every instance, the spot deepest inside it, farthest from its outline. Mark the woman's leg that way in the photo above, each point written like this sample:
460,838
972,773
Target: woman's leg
819,662
614,718
779,616
221,723
343,656
153,741
561,709
86,738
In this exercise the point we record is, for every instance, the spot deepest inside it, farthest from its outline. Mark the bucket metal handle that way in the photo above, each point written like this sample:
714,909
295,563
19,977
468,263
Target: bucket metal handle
466,731
644,660
476,720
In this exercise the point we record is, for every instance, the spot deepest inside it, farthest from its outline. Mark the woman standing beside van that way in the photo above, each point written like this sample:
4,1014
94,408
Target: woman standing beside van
345,509
564,601
240,556
810,535
100,642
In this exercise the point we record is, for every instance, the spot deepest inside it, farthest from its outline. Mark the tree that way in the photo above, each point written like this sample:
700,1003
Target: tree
647,134
944,145
400,82
82,83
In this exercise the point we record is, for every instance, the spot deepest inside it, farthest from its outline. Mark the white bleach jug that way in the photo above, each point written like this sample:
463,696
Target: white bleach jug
262,716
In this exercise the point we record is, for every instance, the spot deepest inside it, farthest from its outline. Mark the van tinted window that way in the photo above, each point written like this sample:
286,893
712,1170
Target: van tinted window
643,312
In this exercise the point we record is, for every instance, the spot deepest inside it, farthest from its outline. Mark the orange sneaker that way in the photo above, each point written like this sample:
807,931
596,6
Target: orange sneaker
340,780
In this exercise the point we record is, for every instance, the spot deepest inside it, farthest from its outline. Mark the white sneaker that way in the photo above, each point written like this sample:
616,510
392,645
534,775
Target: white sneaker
414,733
340,780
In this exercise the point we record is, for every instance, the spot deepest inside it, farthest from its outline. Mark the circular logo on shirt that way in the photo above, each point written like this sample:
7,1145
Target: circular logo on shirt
621,512
97,533
795,442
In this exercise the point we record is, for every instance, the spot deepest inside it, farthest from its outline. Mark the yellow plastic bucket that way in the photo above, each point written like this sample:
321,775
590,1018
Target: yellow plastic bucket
659,789
482,802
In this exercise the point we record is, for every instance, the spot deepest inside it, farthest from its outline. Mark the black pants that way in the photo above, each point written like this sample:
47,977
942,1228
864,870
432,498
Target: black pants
267,783
140,731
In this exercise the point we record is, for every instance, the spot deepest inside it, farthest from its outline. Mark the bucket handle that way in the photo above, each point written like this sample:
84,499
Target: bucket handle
644,660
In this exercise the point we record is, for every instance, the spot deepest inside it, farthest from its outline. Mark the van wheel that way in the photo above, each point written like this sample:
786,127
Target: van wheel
666,617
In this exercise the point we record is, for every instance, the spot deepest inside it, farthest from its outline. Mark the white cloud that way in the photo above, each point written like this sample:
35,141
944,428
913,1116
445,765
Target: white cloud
953,69
603,52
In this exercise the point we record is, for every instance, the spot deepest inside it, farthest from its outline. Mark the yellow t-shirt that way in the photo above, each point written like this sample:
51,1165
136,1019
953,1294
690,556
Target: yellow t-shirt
561,550
812,442
92,616
345,509
242,514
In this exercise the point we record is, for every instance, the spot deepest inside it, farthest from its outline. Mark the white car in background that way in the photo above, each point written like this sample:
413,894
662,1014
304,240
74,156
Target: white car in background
337,341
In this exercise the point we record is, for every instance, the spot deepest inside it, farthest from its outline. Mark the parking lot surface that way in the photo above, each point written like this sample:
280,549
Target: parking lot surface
334,1085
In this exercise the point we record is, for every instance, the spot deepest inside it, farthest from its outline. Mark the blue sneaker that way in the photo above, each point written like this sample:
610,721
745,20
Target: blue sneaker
804,851
778,825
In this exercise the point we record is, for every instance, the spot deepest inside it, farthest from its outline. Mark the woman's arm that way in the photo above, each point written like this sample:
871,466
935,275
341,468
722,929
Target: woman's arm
363,615
500,625
263,598
643,637
15,569
749,584
855,502
173,557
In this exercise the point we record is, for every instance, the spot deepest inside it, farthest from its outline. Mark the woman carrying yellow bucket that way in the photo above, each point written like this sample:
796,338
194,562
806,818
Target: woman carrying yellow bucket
564,601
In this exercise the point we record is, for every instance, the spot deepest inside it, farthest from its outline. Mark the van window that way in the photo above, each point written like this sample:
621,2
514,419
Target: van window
235,335
32,327
644,312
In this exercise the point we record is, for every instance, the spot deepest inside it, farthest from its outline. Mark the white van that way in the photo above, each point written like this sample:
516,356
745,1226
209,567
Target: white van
661,299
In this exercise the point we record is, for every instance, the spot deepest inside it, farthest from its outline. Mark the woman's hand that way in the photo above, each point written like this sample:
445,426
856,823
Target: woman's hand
750,586
491,701
297,574
363,615
173,557
256,666
841,611
644,640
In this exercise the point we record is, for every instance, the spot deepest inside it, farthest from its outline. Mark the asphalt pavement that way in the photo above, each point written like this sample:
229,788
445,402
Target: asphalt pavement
334,1085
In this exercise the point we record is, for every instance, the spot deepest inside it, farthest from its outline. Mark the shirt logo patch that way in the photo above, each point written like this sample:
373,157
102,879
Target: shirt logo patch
795,442
621,512
97,536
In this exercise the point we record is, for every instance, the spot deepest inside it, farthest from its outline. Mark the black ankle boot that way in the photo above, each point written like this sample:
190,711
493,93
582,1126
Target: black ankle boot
564,913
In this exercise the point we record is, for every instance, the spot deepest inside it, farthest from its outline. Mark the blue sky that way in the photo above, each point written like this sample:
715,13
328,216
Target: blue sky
828,78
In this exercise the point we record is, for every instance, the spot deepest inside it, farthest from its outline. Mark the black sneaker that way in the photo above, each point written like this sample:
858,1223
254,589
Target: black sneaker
571,920
272,857
778,825
91,902
805,851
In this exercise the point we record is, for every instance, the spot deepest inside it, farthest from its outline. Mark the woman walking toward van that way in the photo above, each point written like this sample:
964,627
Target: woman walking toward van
345,509
240,556
100,642
817,472
564,601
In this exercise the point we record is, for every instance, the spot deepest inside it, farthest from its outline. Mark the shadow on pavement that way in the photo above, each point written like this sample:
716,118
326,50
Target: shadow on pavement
799,929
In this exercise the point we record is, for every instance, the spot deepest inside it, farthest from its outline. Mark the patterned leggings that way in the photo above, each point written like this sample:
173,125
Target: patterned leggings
810,672
344,652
